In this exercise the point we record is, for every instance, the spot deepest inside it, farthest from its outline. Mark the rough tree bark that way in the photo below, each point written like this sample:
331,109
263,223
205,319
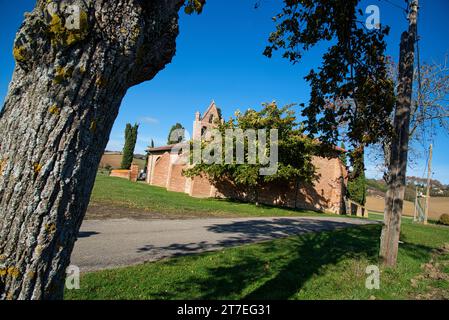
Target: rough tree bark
397,170
62,102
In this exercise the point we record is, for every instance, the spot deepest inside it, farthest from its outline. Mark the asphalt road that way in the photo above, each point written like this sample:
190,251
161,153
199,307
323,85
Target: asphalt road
104,244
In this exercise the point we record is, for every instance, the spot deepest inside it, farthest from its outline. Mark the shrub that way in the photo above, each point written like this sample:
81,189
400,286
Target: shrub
444,219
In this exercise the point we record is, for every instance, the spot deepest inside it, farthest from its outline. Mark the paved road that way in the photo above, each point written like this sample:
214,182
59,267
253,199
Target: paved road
106,244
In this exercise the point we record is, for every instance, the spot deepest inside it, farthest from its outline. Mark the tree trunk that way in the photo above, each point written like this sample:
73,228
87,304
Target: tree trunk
397,171
356,181
62,102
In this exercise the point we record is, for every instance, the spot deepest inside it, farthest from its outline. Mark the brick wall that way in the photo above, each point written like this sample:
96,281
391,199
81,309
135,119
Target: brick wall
124,174
130,174
200,187
160,171
326,193
134,172
177,181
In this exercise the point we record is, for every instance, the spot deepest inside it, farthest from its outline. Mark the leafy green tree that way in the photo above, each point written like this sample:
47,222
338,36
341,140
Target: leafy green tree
179,137
130,144
295,150
351,90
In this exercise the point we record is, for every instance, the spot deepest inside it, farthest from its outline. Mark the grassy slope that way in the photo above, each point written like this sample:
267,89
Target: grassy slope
327,265
120,192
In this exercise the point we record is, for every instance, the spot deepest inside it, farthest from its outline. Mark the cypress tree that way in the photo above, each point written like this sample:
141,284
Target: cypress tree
130,144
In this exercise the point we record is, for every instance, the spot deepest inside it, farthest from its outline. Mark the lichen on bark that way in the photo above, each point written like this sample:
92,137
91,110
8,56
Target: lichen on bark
19,54
56,120
62,36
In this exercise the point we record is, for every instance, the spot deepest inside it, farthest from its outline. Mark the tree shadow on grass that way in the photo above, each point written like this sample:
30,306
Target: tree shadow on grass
312,253
279,269
316,251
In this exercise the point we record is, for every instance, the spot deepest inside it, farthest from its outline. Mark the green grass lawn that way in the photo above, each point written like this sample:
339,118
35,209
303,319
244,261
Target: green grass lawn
119,192
326,265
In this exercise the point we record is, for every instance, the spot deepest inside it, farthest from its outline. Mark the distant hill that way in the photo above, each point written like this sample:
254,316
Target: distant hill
379,187
376,185
438,206
140,156
114,160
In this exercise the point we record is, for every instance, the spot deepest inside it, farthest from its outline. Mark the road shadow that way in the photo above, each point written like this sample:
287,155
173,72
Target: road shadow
87,234
248,231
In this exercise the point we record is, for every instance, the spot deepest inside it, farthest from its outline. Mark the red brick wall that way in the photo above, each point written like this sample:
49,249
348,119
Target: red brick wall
326,193
331,181
161,169
280,194
134,172
177,180
201,187
124,174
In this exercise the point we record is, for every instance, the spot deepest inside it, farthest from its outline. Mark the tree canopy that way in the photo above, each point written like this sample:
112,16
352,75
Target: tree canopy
351,90
176,134
295,149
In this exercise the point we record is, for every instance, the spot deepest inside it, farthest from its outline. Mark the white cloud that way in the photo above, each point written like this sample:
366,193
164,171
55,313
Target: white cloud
148,120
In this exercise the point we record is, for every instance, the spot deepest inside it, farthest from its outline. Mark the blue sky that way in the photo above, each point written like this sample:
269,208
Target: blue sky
219,56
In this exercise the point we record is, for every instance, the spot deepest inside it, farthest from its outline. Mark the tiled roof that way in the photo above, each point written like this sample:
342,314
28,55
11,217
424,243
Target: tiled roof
169,147
162,148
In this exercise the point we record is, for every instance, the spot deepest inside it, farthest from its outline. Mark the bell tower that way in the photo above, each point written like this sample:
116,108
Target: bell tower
208,121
